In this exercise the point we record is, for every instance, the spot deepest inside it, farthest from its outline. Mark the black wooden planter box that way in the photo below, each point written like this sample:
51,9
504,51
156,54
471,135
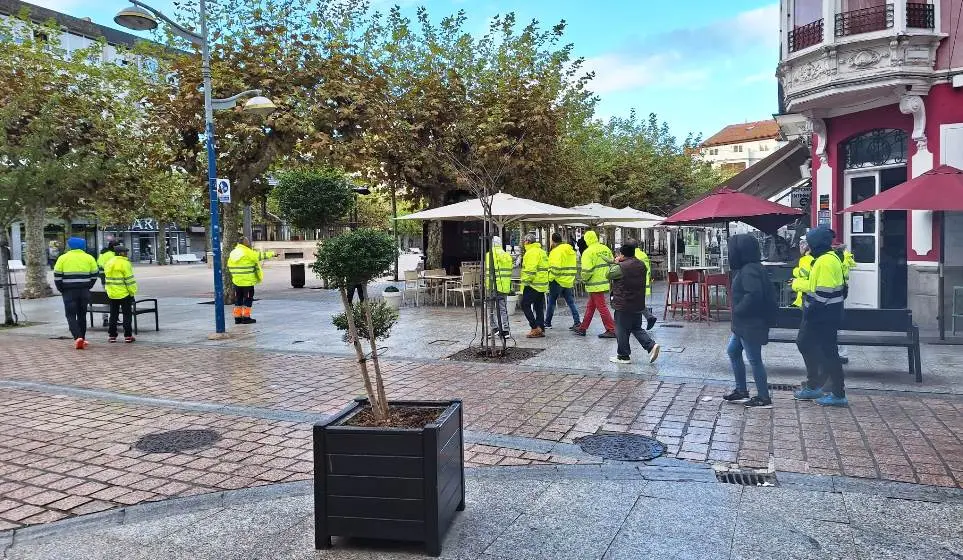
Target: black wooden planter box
389,483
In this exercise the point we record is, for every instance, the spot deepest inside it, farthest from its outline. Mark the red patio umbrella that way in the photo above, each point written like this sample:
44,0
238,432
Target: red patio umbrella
730,206
938,190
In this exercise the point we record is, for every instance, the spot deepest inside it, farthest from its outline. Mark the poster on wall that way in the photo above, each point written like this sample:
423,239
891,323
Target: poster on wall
857,223
824,202
823,219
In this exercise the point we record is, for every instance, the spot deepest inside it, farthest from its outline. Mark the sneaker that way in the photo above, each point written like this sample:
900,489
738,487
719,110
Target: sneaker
808,394
536,333
574,327
832,400
506,334
238,321
578,331
248,320
548,326
607,334
79,344
650,323
737,396
654,354
756,402
129,339
112,339
620,360
86,344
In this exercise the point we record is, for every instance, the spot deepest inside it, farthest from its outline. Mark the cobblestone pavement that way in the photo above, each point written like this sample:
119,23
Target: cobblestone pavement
65,451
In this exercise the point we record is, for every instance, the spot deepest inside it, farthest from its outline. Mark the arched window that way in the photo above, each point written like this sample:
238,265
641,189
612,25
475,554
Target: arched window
883,146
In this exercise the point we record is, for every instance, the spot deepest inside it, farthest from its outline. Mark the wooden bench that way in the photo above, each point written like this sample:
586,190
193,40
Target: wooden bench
862,327
100,303
186,258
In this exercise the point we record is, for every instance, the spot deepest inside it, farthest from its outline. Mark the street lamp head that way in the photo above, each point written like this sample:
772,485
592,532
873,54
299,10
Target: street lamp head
261,106
136,18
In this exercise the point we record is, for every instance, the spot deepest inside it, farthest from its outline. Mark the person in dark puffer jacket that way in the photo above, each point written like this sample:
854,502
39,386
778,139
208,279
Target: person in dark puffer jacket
753,309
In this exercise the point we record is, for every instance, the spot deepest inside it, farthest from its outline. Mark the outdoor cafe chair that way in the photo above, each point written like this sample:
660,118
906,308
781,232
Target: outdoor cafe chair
413,283
466,287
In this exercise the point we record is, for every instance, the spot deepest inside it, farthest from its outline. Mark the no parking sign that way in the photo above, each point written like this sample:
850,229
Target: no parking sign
223,190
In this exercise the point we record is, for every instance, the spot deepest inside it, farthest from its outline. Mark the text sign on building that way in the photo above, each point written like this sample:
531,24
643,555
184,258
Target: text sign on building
223,190
800,197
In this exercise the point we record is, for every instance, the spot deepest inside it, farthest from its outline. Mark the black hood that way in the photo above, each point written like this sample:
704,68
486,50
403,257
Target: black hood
743,249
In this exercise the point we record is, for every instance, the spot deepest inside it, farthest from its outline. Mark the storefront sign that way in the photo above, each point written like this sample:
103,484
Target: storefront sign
144,224
800,197
824,202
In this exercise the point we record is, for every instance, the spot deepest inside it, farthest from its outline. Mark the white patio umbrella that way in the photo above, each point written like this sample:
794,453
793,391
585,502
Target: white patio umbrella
505,210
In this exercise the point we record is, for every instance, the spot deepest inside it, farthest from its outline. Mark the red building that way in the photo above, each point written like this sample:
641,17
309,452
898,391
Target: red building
876,87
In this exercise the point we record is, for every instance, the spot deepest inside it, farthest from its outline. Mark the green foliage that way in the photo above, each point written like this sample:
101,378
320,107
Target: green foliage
313,198
355,257
383,318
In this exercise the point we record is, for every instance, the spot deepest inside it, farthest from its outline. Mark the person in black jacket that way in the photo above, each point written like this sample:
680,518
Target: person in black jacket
628,299
753,308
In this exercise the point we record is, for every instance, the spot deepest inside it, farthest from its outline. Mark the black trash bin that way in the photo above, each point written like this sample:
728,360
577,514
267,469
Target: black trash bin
297,275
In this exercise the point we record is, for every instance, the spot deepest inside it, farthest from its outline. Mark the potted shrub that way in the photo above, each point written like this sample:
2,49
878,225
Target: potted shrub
382,469
392,297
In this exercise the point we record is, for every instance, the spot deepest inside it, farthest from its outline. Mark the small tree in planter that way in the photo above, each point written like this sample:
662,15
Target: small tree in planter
397,473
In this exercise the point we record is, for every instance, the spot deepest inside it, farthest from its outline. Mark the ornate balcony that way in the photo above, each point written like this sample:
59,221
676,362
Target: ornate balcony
869,55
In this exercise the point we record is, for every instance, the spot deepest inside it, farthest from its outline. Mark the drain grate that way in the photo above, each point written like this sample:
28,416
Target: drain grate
622,447
176,441
746,478
783,387
671,326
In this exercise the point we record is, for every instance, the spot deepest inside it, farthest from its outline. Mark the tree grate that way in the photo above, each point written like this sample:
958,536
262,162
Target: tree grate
176,441
783,387
746,478
622,447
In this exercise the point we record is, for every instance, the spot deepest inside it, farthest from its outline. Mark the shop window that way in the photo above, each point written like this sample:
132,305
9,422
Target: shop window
885,146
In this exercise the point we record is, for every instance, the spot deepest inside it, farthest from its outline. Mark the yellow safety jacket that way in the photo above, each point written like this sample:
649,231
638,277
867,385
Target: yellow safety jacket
848,264
535,267
503,266
244,265
800,274
75,269
119,278
596,260
824,295
562,265
104,258
644,257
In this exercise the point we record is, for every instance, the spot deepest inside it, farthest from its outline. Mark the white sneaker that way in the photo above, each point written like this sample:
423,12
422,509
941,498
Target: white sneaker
654,354
618,360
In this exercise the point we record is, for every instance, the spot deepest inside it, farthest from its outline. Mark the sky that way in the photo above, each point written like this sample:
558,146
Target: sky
699,65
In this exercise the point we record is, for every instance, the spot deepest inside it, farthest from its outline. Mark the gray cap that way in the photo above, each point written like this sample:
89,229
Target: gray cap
120,248
530,238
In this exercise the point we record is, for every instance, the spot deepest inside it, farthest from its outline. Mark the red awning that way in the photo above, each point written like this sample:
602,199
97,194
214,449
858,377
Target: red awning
937,189
731,206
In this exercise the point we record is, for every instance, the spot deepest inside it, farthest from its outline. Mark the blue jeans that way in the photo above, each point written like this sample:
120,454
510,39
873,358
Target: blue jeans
554,291
754,354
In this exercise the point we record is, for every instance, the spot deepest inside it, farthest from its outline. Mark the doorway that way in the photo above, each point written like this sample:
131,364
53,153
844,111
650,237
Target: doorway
877,241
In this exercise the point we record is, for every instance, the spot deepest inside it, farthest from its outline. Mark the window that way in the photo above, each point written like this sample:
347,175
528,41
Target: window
713,151
737,148
763,147
884,146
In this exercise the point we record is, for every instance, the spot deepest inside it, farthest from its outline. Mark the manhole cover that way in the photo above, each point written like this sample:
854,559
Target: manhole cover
746,478
622,447
176,441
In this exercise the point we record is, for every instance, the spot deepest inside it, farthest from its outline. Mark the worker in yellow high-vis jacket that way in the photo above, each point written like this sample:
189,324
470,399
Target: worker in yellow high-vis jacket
562,269
534,280
75,273
121,289
244,264
800,274
498,263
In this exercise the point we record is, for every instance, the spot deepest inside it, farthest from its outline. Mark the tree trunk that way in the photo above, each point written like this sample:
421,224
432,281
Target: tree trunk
230,222
161,243
376,406
5,277
379,380
36,284
434,249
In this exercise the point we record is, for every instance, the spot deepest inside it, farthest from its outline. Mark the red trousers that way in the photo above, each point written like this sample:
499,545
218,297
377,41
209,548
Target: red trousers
597,301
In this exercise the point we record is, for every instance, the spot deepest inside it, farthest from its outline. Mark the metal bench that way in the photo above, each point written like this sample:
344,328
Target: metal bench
186,258
100,303
862,327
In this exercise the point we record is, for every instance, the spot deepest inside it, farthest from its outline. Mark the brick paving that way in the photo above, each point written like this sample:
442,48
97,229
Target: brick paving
62,456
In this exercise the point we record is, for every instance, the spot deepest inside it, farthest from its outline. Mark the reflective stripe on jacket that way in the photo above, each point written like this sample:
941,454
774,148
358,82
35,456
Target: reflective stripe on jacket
562,265
502,264
244,264
596,260
75,270
119,278
644,257
535,267
800,274
823,299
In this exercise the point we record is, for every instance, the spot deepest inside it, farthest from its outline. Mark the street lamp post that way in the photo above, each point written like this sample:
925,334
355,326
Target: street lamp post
142,17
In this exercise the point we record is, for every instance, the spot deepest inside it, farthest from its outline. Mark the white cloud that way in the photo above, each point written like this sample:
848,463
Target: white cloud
615,72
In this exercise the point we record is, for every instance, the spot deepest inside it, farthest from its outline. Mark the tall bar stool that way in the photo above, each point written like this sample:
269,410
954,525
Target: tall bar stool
677,295
711,286
694,286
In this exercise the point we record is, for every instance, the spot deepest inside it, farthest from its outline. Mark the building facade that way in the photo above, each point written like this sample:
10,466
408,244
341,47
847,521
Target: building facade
874,87
738,146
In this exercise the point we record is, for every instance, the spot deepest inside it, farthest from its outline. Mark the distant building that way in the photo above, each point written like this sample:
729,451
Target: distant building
737,146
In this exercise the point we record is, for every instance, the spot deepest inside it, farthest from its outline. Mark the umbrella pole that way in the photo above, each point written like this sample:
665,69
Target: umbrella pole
940,286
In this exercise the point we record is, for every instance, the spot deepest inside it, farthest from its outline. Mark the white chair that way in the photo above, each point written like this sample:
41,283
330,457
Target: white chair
466,287
413,284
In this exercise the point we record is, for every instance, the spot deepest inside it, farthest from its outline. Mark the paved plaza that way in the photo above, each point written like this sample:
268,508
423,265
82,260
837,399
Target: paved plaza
69,422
